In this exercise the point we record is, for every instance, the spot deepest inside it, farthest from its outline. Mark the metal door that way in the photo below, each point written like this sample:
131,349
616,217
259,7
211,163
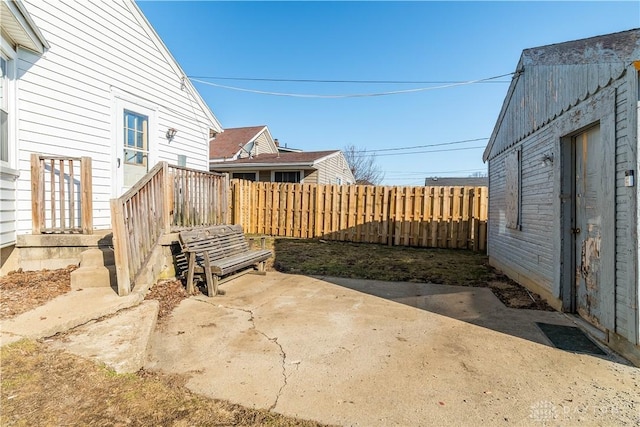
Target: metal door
588,225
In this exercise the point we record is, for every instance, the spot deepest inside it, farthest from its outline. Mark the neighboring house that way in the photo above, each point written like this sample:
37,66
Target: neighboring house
456,182
83,78
251,153
563,192
237,143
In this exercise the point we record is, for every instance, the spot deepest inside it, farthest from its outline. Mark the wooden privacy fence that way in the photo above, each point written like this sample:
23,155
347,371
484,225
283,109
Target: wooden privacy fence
437,217
166,198
61,194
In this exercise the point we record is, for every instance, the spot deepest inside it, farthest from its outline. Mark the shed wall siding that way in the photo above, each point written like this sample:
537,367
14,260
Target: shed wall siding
530,250
624,290
66,96
544,92
535,251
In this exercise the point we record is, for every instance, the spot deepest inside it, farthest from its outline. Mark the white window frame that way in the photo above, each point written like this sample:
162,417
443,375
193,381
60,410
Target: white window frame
10,165
255,174
301,172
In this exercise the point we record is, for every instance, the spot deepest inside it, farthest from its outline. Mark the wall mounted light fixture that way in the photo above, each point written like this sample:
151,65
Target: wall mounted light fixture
171,133
547,159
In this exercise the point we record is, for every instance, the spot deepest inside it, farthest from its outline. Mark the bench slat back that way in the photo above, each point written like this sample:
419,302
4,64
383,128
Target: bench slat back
221,241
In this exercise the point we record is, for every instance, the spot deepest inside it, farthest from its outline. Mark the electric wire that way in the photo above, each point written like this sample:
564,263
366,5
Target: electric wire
353,95
258,79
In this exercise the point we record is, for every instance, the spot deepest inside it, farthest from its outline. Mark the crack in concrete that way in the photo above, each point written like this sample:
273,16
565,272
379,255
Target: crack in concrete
274,340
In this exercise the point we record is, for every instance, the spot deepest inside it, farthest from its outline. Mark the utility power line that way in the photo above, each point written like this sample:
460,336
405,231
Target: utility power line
257,79
362,154
352,95
424,146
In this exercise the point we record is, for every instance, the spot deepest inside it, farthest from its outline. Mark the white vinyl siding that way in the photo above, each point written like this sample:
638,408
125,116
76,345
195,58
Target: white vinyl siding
8,174
66,97
332,167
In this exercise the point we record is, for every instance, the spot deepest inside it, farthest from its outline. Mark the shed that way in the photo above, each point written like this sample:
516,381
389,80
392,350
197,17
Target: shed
563,197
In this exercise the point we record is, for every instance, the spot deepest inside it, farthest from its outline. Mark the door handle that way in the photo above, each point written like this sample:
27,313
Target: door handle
118,162
576,230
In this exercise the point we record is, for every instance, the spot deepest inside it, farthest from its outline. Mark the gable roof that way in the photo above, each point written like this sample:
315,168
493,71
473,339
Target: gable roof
550,80
184,80
227,144
301,159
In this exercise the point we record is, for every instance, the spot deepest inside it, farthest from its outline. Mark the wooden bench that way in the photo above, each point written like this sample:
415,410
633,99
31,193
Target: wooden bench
219,251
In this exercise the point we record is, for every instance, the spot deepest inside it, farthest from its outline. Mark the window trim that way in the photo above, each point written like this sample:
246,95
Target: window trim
513,171
300,172
9,167
255,175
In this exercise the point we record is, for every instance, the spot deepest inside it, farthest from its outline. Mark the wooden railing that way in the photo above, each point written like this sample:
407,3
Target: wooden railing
167,197
61,194
198,198
439,217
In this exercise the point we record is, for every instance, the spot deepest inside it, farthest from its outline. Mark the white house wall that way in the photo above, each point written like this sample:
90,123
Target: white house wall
66,97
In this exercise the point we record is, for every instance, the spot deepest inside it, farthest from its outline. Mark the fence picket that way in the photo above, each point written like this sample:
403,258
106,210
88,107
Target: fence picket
440,217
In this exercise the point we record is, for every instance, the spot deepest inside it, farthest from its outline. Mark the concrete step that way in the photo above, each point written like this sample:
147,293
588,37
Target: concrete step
96,270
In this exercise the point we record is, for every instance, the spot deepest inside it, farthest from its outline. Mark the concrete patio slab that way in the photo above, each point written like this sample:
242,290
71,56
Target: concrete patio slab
352,352
66,312
120,342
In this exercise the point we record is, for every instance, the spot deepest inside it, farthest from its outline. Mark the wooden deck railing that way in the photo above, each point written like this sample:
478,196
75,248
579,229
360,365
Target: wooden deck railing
61,194
198,198
438,217
166,197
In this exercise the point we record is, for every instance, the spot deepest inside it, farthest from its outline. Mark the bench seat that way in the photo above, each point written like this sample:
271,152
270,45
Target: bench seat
218,251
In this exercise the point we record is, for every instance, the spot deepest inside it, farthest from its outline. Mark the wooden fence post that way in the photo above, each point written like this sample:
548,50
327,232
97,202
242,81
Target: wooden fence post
37,194
120,248
86,204
167,198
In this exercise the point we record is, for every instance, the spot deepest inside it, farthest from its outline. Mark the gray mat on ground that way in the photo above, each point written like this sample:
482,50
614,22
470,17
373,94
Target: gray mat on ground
569,338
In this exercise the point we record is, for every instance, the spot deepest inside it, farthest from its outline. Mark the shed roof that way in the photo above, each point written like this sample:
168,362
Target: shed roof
550,80
226,144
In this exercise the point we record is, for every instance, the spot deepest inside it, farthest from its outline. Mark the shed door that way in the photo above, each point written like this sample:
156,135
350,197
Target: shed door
588,227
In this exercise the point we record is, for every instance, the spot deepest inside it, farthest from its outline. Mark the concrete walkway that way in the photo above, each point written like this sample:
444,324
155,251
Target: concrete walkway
350,352
65,312
368,353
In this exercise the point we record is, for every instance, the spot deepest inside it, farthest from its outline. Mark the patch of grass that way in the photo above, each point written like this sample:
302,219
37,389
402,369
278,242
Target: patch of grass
400,264
41,386
379,262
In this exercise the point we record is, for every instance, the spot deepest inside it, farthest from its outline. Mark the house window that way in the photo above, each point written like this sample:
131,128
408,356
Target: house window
249,176
513,175
136,139
4,109
286,176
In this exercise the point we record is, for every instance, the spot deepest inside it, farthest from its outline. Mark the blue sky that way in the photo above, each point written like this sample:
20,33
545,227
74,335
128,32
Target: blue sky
383,41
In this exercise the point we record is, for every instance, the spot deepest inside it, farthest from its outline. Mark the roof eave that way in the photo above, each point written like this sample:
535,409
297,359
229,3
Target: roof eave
176,66
503,110
28,26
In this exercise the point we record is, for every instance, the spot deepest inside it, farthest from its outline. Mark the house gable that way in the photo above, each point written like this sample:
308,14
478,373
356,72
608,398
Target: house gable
103,59
235,143
550,80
